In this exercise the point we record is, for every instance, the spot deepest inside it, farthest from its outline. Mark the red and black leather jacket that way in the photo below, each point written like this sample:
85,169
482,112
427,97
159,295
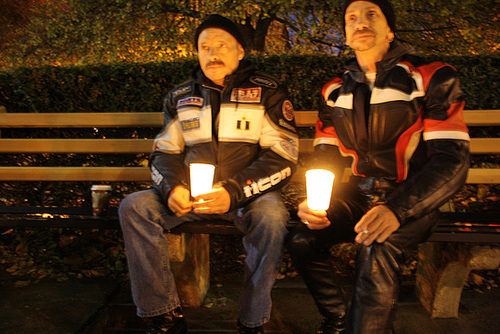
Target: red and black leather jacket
407,129
246,129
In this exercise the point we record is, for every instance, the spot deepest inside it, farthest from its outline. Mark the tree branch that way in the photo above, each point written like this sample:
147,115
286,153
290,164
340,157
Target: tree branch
428,29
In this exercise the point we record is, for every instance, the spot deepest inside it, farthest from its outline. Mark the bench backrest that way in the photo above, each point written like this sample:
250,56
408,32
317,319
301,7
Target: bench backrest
304,119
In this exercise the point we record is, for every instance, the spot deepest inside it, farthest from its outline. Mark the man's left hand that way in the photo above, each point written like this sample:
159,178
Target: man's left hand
376,225
217,201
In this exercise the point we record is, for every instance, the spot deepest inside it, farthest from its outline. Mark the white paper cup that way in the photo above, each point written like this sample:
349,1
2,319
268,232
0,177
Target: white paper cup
101,194
201,178
319,183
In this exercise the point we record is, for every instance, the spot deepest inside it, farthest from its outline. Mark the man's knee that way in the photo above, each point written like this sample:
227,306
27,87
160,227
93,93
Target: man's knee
269,208
300,242
138,205
130,203
386,255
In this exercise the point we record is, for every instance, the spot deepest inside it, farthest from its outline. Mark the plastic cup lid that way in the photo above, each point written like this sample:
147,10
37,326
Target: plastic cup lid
101,187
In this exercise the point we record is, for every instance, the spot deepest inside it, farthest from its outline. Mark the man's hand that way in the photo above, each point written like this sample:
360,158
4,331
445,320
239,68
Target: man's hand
376,225
314,219
179,201
217,201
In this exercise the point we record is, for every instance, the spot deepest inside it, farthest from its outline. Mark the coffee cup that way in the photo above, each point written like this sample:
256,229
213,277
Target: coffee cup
101,194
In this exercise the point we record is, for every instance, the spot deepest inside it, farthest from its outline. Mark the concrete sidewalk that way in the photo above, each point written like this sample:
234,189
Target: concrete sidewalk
102,306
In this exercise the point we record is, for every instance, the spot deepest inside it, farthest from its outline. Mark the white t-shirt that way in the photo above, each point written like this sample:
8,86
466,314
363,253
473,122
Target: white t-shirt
371,78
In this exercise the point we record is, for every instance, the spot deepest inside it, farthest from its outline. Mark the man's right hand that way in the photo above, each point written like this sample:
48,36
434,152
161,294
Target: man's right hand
314,219
179,201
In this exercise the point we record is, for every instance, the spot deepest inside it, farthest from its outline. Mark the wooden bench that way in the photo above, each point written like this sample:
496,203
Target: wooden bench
468,240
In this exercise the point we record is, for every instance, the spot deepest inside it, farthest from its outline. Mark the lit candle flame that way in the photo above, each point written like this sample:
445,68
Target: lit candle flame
319,183
202,178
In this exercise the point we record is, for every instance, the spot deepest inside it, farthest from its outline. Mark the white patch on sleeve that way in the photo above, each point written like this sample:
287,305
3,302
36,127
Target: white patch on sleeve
170,139
195,124
281,142
446,135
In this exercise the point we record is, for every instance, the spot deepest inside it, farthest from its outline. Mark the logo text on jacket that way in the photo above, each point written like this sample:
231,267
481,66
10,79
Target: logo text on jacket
253,188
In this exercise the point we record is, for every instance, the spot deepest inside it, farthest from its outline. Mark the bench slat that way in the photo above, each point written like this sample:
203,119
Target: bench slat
44,145
155,119
464,237
203,227
484,145
118,174
81,120
483,175
482,117
142,174
97,146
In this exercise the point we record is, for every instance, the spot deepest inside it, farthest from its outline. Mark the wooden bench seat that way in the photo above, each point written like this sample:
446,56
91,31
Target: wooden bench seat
457,234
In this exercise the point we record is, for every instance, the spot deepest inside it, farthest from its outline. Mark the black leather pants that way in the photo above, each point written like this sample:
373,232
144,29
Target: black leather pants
313,262
378,269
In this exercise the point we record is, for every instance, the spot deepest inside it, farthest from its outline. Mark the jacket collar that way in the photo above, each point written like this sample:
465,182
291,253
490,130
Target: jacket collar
391,59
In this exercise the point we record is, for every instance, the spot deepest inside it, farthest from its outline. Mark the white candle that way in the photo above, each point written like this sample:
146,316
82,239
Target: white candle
319,183
202,178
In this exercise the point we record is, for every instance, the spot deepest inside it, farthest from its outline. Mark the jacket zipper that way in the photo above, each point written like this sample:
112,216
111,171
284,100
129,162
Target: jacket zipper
215,141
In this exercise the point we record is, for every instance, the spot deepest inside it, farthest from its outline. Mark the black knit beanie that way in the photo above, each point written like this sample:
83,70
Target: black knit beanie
217,21
384,5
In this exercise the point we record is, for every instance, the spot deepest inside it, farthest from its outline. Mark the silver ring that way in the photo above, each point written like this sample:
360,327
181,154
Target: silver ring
365,231
304,221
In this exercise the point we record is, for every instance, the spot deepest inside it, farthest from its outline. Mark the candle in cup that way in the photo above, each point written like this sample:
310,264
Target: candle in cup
201,177
319,183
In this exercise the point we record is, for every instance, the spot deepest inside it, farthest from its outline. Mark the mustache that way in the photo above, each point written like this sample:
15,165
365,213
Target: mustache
215,62
363,31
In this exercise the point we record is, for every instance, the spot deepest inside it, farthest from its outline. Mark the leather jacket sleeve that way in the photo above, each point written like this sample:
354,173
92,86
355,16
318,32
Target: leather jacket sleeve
443,175
447,146
167,164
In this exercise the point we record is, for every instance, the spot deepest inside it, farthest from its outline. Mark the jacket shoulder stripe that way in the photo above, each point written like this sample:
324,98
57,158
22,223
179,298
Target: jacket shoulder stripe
383,95
425,71
345,101
460,135
329,87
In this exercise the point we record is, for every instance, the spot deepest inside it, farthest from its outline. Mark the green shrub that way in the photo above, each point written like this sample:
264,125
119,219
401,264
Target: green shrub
142,87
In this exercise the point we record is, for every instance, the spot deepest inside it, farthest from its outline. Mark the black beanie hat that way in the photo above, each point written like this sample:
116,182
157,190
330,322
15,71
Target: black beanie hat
217,21
384,5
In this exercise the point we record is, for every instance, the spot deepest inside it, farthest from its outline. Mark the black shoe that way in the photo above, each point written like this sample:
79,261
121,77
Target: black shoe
172,322
249,330
332,326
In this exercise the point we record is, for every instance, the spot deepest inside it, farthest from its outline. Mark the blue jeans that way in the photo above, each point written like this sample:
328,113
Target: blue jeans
144,218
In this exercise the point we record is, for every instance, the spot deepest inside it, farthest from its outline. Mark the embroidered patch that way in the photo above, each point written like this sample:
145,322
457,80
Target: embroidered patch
190,101
190,124
287,109
286,125
289,148
243,124
265,82
246,95
181,90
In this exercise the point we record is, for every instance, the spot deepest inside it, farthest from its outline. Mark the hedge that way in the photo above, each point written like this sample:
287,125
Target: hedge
141,87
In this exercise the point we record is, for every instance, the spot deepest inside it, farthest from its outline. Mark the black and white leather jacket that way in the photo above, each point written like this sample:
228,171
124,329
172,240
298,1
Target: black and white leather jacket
246,129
